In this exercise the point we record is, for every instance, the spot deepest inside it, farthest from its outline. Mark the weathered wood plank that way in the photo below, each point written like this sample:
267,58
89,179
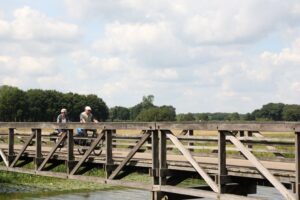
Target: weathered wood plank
2,154
232,126
266,173
229,126
38,147
109,152
297,157
200,193
222,170
155,157
193,162
74,125
11,143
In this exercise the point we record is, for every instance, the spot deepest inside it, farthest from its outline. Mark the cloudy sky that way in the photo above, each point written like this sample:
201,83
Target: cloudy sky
196,55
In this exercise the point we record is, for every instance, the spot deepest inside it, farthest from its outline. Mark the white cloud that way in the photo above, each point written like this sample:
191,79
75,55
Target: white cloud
166,74
31,24
195,55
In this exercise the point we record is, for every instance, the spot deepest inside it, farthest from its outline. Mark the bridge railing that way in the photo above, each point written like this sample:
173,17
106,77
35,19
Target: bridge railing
159,146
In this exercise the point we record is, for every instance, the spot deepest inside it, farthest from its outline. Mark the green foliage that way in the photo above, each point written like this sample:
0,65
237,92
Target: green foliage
119,113
45,105
291,113
163,113
186,117
271,111
147,103
12,104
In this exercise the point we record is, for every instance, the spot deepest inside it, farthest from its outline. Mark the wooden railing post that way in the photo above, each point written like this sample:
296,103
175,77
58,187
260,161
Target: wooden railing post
162,157
222,170
70,159
38,147
155,157
109,152
11,141
191,144
297,159
162,162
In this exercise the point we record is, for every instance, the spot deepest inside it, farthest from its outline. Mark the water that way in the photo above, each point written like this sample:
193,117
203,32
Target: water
126,194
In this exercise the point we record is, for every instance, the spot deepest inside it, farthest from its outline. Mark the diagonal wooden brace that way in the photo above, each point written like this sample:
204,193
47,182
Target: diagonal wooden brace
4,158
260,167
130,155
186,153
61,139
88,152
14,162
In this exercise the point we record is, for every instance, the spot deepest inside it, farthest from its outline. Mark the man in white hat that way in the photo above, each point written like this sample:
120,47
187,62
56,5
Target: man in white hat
87,116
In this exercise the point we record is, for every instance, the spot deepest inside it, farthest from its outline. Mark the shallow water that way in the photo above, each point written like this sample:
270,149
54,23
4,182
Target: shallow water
126,194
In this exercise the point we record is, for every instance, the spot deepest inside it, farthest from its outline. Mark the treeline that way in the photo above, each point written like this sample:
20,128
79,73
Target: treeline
144,111
44,105
268,112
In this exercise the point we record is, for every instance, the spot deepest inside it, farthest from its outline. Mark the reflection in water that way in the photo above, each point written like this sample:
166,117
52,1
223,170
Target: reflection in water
102,195
263,192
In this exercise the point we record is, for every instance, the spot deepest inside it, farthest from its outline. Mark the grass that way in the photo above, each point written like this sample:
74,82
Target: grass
48,183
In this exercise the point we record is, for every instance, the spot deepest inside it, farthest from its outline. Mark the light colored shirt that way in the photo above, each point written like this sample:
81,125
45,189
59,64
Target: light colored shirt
87,118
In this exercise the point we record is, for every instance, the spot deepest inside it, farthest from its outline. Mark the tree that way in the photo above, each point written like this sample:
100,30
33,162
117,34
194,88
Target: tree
291,113
100,110
202,117
234,116
119,113
186,117
12,104
271,111
163,113
147,102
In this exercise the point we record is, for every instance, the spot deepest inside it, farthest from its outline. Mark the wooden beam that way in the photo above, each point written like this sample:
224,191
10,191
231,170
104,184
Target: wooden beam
11,142
61,139
162,157
38,147
230,126
2,154
260,167
88,152
222,170
74,125
14,162
70,155
155,157
193,162
109,152
130,155
297,160
201,193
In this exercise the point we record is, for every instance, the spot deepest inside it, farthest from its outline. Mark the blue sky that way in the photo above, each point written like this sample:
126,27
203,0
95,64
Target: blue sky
198,56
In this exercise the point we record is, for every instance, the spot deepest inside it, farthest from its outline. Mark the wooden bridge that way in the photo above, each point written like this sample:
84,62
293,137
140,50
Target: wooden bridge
232,163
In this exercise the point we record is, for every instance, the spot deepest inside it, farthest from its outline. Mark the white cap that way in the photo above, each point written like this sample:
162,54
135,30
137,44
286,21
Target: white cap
63,110
88,108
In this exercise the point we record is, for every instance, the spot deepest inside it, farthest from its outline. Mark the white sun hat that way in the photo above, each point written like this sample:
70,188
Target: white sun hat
88,108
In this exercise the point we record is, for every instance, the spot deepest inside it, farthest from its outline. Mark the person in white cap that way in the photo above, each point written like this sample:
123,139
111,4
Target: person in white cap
87,116
63,117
